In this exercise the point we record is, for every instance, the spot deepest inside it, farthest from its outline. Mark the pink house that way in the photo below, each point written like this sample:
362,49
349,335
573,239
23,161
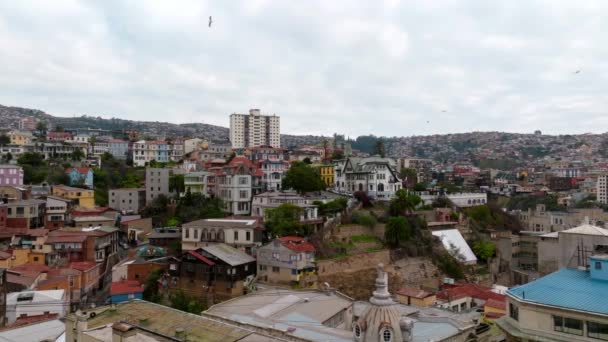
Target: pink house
11,175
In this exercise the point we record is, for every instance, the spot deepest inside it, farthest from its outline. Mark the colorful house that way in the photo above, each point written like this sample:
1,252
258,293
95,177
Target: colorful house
84,197
125,290
80,176
327,174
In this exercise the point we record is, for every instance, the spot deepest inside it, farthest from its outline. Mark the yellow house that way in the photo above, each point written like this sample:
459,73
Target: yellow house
415,297
20,138
84,197
17,257
327,173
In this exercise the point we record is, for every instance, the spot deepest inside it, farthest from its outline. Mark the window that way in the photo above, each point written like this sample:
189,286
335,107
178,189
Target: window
248,236
513,311
357,330
243,194
187,233
386,335
598,265
236,236
294,271
242,180
195,234
568,325
597,330
275,269
293,257
275,256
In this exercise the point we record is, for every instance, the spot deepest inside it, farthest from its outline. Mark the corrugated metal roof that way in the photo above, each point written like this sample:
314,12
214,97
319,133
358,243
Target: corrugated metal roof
566,288
228,254
586,229
452,237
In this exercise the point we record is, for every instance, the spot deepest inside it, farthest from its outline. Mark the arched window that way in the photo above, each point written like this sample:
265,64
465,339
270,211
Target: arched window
380,187
387,335
212,235
195,234
220,235
204,234
360,187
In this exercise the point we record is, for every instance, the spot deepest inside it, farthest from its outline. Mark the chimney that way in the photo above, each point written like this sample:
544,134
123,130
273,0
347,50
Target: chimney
121,331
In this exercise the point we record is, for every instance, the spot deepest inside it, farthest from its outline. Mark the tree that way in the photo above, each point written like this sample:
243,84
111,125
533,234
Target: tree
337,155
151,287
4,139
419,187
397,231
484,250
77,155
284,220
379,148
176,184
364,219
8,157
41,126
59,129
31,158
302,178
363,198
404,203
307,161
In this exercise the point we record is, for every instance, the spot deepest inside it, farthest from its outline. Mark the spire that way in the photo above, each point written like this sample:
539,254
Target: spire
381,296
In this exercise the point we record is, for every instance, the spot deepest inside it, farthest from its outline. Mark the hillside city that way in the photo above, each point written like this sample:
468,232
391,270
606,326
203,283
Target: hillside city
161,232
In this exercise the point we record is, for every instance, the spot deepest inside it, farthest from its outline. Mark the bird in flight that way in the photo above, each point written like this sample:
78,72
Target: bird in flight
210,21
443,111
577,71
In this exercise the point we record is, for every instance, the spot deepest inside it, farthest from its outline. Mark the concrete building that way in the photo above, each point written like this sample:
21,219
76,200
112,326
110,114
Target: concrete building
118,148
236,183
602,189
273,199
26,214
80,176
196,182
157,182
415,297
375,176
304,315
254,130
273,165
422,167
82,197
243,234
35,303
287,260
162,323
127,200
11,175
57,212
540,219
568,305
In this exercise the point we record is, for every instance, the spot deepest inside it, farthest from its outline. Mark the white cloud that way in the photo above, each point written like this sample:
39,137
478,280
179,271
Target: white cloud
325,66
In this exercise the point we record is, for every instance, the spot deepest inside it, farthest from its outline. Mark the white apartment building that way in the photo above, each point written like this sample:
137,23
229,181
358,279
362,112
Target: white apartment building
242,234
144,151
254,130
236,185
602,189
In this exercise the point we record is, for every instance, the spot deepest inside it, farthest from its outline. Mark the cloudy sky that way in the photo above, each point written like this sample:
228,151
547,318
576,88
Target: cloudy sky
393,68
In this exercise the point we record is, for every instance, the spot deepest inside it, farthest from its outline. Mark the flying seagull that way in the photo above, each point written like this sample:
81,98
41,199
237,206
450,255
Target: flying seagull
210,21
577,71
443,111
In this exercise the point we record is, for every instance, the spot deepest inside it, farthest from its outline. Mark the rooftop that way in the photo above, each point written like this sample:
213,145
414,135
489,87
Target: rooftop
300,313
226,222
45,331
586,229
297,244
126,287
567,288
228,254
30,297
164,320
416,293
452,237
91,218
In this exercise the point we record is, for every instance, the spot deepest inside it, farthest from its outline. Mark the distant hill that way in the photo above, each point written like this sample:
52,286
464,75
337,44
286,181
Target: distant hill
485,149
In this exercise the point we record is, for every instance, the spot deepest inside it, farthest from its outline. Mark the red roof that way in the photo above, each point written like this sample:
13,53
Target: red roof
27,320
90,211
126,287
201,258
30,268
416,293
66,238
240,160
469,290
297,244
496,304
82,265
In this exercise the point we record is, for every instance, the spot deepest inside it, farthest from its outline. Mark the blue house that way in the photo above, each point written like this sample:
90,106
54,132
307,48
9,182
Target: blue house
125,290
80,176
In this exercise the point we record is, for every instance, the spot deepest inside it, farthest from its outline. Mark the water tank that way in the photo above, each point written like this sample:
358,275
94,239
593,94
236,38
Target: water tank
254,112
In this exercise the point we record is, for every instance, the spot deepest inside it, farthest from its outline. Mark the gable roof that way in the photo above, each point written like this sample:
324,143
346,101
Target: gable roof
586,229
80,170
296,244
416,293
201,258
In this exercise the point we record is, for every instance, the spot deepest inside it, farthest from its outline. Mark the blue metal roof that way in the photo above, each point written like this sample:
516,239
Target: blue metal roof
567,288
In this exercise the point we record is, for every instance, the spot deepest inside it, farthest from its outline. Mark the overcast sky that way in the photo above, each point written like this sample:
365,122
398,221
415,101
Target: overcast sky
393,68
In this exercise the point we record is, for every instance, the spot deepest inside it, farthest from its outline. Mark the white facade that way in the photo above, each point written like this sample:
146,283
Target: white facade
462,199
236,192
254,130
240,234
34,303
375,176
602,189
273,199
